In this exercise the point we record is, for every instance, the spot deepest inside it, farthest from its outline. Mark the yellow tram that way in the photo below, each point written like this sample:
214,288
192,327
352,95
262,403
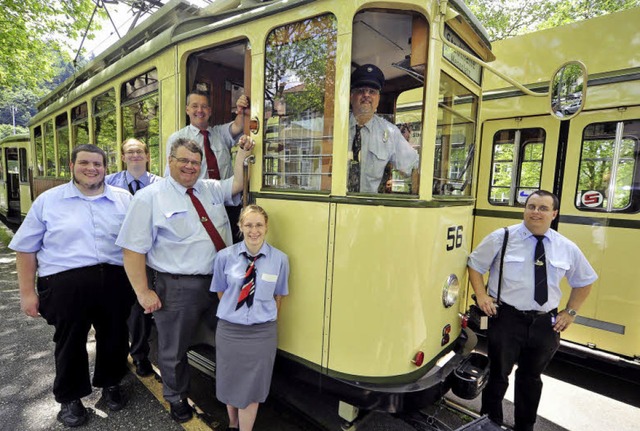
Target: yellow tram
587,151
373,313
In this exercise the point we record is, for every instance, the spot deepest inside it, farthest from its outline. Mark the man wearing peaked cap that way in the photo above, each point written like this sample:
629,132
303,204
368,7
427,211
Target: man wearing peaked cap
367,75
376,145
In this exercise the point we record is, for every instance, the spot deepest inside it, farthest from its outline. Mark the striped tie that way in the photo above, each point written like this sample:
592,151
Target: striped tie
249,283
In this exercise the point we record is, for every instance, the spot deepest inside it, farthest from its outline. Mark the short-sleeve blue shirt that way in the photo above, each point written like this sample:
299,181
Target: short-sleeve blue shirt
163,224
272,278
68,230
564,259
123,179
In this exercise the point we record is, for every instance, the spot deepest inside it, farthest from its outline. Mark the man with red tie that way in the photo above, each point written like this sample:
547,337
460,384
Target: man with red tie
169,223
215,142
216,163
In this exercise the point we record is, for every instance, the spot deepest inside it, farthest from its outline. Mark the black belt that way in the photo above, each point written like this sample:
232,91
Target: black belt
508,307
178,276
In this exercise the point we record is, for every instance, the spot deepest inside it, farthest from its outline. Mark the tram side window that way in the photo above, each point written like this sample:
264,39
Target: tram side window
104,111
24,173
300,63
39,156
49,150
609,172
80,125
62,135
141,114
455,139
516,165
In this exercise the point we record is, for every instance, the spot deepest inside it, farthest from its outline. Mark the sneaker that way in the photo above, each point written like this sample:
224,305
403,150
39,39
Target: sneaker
143,367
181,411
113,397
73,414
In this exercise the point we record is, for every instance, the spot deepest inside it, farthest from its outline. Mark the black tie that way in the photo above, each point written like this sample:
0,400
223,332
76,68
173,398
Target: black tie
134,186
353,182
540,293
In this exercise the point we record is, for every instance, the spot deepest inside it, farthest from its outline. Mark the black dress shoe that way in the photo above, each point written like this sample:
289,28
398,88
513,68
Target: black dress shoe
181,411
113,398
72,414
143,367
233,429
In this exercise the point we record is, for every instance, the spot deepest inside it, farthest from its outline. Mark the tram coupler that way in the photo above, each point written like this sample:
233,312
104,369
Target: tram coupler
351,415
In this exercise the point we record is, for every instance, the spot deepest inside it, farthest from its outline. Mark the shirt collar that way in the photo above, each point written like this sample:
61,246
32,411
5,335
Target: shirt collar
526,233
264,250
71,191
182,189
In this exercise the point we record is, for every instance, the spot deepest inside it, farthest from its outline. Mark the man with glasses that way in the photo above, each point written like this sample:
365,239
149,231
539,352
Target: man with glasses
526,325
135,155
170,236
214,141
376,145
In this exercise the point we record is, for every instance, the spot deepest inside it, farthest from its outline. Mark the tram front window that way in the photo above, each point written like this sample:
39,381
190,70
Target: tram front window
388,60
455,139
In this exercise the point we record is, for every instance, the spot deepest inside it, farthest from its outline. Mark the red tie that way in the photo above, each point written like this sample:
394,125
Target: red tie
212,162
208,224
249,283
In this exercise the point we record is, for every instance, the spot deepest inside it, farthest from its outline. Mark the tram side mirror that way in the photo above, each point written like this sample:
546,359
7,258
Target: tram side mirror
568,90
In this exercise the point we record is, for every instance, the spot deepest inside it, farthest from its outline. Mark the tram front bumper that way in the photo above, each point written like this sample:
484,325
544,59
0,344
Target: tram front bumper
430,388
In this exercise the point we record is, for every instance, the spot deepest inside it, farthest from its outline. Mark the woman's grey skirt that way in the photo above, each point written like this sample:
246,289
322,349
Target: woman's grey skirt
244,362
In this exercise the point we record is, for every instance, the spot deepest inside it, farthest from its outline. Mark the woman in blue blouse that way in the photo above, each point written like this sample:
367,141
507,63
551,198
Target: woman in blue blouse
251,278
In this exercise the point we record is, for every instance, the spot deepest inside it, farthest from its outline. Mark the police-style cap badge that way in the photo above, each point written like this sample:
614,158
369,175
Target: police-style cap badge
367,75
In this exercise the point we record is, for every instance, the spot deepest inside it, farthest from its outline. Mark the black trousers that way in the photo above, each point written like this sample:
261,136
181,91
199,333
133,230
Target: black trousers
529,340
139,330
72,301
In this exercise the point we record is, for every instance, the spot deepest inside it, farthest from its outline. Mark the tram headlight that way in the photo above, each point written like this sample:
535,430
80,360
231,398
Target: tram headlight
450,291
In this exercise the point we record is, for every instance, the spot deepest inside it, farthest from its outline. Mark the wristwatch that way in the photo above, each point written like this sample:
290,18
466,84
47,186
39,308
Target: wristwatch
571,312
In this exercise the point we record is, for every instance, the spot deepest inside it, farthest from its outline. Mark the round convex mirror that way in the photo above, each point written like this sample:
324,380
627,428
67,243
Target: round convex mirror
568,90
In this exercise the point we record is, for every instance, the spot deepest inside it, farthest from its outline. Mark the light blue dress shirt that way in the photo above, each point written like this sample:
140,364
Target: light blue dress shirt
68,230
163,224
272,278
382,143
123,179
221,142
564,259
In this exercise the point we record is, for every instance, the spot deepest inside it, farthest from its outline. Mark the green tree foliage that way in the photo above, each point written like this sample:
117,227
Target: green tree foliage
508,18
7,130
29,28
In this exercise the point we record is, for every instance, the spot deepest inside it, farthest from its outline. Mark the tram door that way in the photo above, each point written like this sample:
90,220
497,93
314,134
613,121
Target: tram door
600,212
13,182
517,156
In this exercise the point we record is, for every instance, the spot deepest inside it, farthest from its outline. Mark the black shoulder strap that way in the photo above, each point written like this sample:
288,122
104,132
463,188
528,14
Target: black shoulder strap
504,249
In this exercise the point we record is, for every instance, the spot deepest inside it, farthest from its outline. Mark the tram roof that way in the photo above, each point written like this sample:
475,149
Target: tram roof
15,138
179,20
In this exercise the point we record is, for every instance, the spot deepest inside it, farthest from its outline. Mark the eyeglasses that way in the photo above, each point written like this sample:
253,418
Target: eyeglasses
134,152
366,90
541,208
185,161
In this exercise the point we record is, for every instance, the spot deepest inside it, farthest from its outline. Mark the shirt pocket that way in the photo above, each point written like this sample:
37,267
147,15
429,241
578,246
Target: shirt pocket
375,164
178,225
265,290
513,268
556,270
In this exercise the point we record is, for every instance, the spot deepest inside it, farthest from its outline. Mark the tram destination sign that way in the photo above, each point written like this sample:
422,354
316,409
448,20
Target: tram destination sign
467,66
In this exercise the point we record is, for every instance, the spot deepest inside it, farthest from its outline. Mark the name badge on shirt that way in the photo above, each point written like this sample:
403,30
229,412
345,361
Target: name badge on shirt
269,277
